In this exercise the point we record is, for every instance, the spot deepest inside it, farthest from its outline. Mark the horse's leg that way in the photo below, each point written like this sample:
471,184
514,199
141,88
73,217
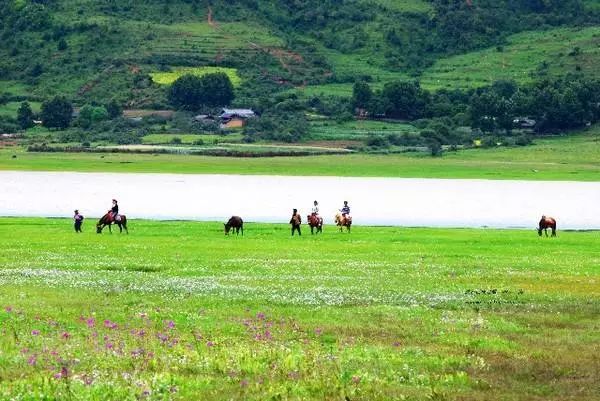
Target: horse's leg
110,227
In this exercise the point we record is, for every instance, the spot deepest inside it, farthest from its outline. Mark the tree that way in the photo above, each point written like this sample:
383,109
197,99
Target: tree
191,92
88,115
361,95
57,113
25,116
405,99
114,109
62,45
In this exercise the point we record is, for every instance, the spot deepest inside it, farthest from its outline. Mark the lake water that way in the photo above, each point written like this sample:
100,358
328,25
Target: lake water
374,201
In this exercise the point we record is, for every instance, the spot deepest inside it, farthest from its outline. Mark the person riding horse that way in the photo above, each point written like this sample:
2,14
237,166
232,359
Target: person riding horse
345,210
114,210
314,219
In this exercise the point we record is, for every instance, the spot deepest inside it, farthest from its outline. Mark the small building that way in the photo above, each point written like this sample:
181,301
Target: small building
235,118
524,122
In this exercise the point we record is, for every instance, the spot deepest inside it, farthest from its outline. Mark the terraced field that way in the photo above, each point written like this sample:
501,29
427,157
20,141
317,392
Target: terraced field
524,57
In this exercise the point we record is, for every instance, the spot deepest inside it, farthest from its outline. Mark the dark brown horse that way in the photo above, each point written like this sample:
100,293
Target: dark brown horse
545,224
315,221
343,221
236,223
107,220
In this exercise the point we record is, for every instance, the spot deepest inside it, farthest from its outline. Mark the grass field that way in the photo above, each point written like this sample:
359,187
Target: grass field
520,59
188,139
10,109
167,78
356,130
177,311
573,158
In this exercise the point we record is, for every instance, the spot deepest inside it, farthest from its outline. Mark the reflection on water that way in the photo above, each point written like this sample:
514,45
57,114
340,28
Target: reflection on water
374,201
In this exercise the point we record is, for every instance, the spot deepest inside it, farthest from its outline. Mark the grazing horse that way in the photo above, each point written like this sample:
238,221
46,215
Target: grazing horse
107,220
315,221
343,221
545,223
236,223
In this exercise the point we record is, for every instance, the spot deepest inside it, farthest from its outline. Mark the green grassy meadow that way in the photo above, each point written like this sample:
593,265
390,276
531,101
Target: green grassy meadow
177,311
571,158
167,78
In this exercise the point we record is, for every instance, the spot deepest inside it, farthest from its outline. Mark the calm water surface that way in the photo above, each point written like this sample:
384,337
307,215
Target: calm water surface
374,201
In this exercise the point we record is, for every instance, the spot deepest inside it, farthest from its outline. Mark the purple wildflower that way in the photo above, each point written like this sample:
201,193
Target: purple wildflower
91,322
170,324
8,309
210,344
32,360
35,332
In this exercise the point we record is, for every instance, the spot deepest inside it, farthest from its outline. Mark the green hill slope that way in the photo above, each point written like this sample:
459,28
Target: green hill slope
99,50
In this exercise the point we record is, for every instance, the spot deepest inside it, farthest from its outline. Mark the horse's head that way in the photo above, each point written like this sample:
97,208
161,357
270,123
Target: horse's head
99,228
539,230
338,218
227,228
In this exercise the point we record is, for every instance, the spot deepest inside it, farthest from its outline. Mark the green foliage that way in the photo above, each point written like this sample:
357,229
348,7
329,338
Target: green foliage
277,126
89,115
114,109
191,92
403,99
56,113
25,116
361,95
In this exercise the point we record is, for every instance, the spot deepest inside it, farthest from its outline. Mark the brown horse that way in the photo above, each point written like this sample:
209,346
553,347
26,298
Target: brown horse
107,220
236,223
545,223
315,221
343,221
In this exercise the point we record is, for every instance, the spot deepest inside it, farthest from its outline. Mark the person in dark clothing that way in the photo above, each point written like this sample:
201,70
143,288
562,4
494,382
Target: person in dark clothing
296,222
78,221
115,210
346,209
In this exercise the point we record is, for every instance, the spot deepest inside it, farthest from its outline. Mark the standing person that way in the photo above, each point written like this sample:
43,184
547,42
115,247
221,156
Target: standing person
296,222
346,209
77,221
115,210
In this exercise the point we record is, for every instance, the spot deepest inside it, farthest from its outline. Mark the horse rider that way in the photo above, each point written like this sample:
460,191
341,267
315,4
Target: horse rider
115,211
77,220
345,210
296,222
315,209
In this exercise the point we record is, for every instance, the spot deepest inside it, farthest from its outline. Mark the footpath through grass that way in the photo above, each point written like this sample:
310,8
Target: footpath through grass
573,158
177,311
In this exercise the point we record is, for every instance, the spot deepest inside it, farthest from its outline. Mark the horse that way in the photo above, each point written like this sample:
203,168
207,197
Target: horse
236,223
343,221
545,223
315,221
107,220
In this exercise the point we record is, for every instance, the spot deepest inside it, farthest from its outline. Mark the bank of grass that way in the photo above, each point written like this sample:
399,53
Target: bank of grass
177,311
574,158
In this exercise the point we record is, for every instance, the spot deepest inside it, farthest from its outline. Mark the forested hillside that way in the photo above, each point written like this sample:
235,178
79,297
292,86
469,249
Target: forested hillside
102,51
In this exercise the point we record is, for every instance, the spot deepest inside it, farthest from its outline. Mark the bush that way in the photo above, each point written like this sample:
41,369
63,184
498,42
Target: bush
377,141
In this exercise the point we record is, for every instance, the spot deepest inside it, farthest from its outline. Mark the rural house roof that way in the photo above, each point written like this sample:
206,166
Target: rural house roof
242,113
